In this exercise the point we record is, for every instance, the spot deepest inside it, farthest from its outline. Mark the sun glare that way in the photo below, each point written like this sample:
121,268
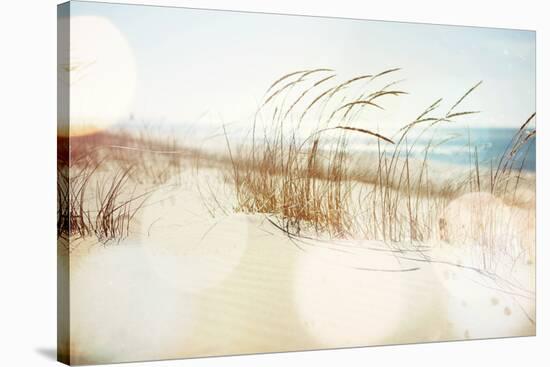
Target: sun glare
102,75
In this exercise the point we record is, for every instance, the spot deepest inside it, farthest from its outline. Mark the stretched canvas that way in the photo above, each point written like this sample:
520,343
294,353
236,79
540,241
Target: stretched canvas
236,183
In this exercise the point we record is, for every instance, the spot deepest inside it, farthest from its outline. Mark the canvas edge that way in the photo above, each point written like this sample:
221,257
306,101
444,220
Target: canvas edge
63,259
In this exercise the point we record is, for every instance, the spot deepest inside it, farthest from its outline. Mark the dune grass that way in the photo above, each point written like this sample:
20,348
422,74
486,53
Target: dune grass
110,216
98,179
292,169
297,168
155,158
105,178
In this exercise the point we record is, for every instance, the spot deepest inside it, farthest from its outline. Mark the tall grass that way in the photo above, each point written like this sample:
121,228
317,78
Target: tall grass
110,216
155,158
405,206
73,220
104,178
297,177
298,167
508,171
97,189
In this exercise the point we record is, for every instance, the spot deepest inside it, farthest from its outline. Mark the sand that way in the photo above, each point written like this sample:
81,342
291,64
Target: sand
187,283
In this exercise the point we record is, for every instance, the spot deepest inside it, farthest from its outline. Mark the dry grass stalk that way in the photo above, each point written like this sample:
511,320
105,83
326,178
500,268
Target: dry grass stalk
298,171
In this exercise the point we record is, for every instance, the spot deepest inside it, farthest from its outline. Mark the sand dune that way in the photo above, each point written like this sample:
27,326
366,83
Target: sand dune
188,284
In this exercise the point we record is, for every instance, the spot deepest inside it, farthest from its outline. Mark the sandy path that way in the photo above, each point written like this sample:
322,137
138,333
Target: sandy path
190,285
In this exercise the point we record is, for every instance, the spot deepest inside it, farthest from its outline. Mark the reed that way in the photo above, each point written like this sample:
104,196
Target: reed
155,158
298,168
96,198
117,206
403,207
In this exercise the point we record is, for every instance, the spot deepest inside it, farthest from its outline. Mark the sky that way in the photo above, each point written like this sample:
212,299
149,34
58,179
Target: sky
203,66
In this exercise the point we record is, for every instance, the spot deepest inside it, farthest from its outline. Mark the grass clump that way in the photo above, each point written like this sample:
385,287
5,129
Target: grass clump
297,165
110,215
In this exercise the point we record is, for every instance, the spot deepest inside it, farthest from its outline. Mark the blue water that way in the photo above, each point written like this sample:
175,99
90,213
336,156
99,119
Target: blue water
454,146
491,144
458,146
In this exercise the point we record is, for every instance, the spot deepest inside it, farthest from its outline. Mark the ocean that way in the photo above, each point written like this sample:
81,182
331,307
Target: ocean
458,146
455,146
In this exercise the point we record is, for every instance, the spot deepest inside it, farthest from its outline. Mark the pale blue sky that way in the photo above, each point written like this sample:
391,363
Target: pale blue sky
215,66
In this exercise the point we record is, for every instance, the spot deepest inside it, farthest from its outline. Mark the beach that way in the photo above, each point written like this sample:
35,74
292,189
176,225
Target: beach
196,284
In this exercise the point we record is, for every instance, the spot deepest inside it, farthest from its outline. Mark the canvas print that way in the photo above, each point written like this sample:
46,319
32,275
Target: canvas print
236,183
